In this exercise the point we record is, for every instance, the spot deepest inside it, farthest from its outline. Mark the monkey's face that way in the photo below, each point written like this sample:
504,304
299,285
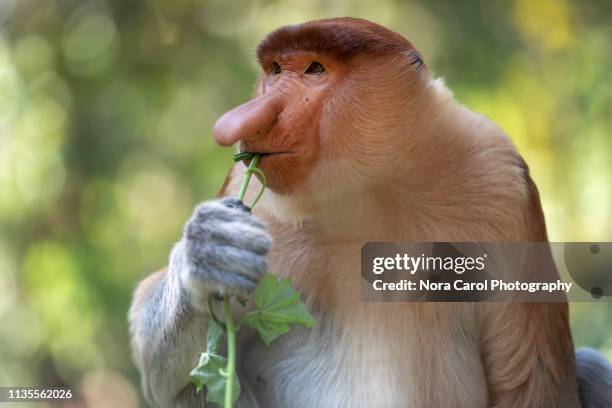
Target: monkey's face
283,121
330,100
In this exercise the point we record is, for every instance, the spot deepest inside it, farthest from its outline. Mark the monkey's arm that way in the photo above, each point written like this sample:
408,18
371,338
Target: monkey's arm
163,352
528,355
223,250
594,378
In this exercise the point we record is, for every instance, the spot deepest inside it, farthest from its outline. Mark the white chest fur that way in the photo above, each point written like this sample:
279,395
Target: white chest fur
368,354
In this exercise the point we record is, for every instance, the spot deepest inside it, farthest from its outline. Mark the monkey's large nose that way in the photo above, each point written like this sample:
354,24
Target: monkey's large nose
252,119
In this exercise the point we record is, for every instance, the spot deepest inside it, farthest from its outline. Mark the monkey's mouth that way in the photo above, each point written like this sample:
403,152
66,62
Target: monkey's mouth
274,154
247,155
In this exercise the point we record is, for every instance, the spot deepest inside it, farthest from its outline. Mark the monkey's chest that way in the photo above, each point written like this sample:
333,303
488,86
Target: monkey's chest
361,365
366,354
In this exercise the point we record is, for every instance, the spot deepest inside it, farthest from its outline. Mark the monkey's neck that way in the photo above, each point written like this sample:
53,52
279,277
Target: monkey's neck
383,212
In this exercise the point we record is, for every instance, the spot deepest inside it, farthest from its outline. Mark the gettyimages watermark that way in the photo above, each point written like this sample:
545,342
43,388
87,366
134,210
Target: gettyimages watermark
486,272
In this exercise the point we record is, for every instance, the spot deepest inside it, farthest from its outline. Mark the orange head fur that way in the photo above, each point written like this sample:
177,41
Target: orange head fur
339,89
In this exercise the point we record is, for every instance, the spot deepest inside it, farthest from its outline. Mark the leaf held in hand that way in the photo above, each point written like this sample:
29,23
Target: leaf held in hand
214,336
209,374
278,306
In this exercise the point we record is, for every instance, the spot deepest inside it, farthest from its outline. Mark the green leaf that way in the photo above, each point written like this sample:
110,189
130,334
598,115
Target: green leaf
278,306
214,336
208,374
268,331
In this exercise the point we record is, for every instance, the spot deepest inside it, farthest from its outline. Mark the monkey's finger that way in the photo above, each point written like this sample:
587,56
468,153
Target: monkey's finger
214,222
223,210
227,258
242,234
222,282
234,204
238,234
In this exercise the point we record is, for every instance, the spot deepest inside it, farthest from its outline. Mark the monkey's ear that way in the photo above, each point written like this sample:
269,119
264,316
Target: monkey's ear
415,59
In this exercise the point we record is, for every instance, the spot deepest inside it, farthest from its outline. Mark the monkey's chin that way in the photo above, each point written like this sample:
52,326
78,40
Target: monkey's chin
287,207
285,174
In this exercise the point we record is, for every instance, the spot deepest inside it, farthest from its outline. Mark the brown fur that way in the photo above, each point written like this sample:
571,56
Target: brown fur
338,38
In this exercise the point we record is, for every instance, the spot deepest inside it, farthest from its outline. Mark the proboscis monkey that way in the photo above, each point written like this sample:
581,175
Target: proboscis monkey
359,144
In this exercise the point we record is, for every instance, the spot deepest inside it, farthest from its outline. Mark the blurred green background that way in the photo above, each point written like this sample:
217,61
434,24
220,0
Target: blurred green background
106,109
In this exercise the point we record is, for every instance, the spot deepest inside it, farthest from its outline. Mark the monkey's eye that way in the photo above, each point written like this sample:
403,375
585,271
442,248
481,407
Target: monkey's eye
315,68
276,69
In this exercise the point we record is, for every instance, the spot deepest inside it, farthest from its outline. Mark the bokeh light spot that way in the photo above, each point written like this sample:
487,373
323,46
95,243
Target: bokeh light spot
90,44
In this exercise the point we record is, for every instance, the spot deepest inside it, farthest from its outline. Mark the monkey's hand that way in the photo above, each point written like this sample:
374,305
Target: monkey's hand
224,250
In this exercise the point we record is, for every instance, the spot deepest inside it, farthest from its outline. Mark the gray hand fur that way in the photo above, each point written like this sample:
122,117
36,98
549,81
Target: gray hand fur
223,251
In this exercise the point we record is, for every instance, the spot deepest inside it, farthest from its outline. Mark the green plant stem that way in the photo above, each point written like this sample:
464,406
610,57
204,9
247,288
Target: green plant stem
230,370
231,353
247,177
243,156
211,309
